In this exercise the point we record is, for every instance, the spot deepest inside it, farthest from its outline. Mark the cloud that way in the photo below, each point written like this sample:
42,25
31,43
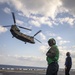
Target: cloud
7,10
63,42
43,48
68,20
19,22
46,8
22,60
70,5
2,29
50,34
58,38
38,21
49,8
3,1
43,37
28,7
35,23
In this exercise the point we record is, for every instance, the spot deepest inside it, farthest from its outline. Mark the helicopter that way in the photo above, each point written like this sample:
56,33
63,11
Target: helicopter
15,31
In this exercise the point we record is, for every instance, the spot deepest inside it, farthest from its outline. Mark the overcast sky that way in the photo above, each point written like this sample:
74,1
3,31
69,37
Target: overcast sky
56,19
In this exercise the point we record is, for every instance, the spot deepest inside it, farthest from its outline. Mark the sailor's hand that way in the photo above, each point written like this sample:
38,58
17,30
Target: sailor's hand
65,67
47,54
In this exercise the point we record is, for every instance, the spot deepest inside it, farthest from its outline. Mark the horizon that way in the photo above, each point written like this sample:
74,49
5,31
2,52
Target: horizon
19,66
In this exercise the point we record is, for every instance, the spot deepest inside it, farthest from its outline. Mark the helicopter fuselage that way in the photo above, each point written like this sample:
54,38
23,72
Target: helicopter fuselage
17,34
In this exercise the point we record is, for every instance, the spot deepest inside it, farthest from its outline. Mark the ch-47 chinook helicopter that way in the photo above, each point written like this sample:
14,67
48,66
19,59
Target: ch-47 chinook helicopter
19,35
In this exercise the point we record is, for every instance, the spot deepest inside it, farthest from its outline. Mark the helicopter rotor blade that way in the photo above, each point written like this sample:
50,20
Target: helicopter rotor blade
37,32
7,26
38,40
14,18
24,28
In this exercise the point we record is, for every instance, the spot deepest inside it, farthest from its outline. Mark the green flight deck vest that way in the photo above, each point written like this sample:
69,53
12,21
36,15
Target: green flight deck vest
54,54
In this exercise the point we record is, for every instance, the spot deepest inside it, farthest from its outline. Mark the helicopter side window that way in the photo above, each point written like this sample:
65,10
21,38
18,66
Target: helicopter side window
17,29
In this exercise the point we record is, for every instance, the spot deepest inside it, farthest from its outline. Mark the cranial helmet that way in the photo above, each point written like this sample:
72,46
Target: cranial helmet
51,42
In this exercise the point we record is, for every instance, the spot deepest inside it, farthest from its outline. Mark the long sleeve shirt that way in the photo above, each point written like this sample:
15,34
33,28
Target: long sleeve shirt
68,61
54,54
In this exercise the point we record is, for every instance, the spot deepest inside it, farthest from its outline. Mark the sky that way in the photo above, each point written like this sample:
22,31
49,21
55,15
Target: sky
56,19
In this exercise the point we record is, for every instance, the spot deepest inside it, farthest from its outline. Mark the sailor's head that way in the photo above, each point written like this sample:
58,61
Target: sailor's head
51,42
68,54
